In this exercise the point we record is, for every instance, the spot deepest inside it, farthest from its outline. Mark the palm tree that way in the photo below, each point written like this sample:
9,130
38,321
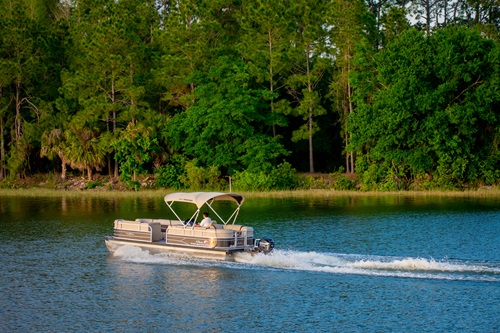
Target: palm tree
54,144
86,152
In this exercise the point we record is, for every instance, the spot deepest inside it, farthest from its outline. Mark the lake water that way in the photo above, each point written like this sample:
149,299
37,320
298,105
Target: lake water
341,264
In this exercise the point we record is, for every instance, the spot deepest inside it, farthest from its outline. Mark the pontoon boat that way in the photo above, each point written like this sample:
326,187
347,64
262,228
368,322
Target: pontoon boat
221,240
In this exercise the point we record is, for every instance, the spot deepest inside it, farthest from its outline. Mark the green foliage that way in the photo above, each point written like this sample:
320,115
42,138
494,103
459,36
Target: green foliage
341,181
372,177
309,182
258,153
86,151
223,127
282,177
237,86
92,184
133,185
264,44
202,178
133,151
306,76
434,114
17,159
8,184
249,181
394,23
170,175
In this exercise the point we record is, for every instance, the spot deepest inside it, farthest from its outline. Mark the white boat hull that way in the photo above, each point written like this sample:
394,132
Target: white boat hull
160,247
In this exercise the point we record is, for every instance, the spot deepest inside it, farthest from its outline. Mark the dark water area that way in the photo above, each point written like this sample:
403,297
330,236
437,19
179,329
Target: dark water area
341,264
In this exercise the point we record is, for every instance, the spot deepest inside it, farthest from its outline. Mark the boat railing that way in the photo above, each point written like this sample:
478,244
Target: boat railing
136,230
241,234
226,236
163,222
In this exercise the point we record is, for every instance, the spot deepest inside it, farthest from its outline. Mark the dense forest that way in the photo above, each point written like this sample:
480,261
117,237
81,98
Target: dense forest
380,94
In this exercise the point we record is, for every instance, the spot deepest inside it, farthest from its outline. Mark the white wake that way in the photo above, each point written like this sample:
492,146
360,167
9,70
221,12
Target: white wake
333,263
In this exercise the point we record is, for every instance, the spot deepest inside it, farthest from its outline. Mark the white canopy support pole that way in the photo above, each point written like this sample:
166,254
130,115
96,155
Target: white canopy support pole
234,215
202,198
192,218
209,204
173,211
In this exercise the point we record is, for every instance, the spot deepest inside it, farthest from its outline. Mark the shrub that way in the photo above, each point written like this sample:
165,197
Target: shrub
341,182
374,177
200,178
133,185
92,184
251,181
282,177
170,174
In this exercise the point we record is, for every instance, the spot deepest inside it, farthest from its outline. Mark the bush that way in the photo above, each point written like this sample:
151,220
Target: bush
490,176
200,178
133,185
170,174
372,177
282,177
92,184
251,181
341,181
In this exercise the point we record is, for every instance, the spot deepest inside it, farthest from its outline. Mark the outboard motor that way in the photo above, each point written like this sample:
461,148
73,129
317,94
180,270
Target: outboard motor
265,245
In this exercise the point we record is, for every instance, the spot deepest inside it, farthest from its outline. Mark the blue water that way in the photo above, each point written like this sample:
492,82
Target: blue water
341,264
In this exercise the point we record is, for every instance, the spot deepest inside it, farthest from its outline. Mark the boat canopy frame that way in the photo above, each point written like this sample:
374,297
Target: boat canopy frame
199,199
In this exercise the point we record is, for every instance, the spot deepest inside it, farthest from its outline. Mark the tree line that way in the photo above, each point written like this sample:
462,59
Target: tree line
402,94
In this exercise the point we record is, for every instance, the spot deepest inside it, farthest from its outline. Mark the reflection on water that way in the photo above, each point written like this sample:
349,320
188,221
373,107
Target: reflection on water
353,264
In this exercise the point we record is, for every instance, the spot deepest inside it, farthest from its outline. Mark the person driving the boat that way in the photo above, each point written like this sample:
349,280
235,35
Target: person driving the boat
206,222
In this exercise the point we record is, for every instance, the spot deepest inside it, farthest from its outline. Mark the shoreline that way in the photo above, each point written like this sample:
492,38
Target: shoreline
51,185
492,192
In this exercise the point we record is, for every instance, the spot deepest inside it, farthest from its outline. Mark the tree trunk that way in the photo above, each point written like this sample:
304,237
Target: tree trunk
114,125
309,89
132,101
89,173
347,164
2,149
17,121
2,144
349,95
311,157
271,75
63,169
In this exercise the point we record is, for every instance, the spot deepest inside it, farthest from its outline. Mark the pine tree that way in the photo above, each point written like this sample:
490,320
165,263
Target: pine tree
349,22
308,42
265,42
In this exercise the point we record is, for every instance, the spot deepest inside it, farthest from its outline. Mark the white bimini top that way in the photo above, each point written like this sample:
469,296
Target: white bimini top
200,198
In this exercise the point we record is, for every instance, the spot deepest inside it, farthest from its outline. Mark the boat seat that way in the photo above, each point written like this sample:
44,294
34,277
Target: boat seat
198,232
236,227
217,226
163,222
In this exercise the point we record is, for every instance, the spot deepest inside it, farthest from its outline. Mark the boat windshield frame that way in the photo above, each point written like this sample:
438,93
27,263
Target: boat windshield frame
199,199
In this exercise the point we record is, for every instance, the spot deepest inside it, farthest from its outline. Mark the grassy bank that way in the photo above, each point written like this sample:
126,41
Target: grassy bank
148,193
52,186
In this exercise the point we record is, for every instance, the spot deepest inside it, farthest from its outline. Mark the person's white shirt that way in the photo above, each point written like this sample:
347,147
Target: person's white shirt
206,222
